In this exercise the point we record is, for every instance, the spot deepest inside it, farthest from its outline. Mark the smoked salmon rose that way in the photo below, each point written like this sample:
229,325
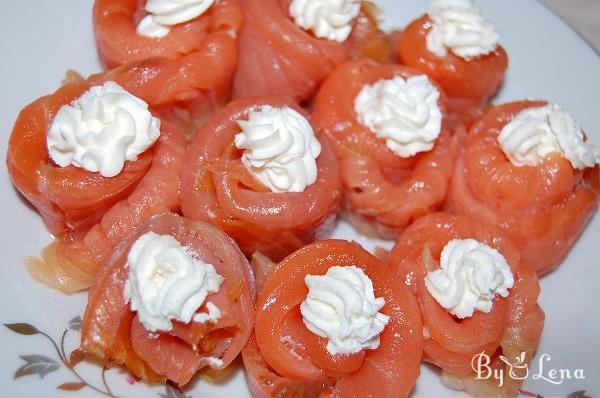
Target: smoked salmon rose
258,171
288,50
199,38
86,204
477,297
299,351
458,48
528,187
388,129
207,290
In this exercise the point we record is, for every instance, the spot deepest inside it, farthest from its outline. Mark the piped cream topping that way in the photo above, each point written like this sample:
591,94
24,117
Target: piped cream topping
471,274
163,14
327,19
405,113
101,130
536,132
166,283
341,306
280,148
459,27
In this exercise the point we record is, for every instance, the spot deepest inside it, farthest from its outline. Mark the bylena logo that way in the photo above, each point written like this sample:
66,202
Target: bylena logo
519,369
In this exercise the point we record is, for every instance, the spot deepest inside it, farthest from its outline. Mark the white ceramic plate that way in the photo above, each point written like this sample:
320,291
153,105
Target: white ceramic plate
40,40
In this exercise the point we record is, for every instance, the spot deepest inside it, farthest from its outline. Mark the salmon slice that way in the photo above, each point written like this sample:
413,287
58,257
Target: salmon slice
264,382
164,82
276,57
512,327
111,331
385,189
286,358
279,58
166,355
262,266
468,84
201,56
543,209
218,189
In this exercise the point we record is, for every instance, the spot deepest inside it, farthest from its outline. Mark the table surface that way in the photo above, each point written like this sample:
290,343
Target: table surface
582,15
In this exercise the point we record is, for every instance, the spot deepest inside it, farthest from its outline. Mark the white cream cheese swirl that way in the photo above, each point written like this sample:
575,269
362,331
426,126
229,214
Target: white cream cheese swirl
166,283
470,275
341,306
534,133
101,130
162,14
327,19
280,148
459,27
403,112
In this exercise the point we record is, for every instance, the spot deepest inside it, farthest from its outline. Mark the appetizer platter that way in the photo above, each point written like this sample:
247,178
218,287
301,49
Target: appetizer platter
299,198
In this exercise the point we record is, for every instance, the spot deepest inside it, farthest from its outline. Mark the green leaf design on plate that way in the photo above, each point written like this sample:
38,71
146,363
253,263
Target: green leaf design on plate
75,324
71,386
578,394
37,365
22,328
173,392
